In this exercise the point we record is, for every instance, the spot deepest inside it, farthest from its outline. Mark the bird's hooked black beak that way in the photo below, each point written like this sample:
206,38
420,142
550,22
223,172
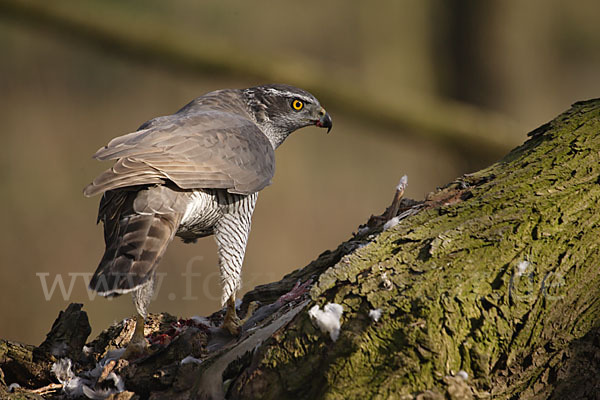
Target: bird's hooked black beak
325,120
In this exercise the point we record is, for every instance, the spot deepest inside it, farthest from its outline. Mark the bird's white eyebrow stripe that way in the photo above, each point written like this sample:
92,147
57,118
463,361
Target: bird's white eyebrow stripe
278,92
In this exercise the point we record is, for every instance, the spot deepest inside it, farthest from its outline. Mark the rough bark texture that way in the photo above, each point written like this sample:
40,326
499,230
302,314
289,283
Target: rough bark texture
495,275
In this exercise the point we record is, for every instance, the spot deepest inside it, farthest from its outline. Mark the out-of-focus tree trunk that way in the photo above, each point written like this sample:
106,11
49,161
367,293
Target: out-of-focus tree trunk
490,288
368,98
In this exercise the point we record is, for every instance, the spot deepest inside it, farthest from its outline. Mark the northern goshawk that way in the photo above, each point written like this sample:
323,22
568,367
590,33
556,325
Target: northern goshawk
192,174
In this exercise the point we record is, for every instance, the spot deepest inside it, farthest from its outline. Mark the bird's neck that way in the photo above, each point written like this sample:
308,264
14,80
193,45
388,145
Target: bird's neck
275,136
257,111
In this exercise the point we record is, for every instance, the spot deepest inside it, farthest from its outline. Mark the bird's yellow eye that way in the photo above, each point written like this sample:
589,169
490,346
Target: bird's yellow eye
297,105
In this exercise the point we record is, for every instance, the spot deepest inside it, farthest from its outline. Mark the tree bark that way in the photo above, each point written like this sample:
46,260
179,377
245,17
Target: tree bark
497,275
489,288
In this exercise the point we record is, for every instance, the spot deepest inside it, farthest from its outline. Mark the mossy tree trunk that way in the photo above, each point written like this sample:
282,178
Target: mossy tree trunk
489,288
497,275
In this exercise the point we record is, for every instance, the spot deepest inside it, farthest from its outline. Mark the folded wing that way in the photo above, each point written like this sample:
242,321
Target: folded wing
208,149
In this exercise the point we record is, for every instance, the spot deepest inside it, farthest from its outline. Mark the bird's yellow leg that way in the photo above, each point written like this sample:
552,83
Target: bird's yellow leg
232,322
137,345
251,308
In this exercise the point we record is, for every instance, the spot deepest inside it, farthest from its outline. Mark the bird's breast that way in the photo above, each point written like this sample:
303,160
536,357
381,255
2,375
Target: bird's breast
201,215
206,207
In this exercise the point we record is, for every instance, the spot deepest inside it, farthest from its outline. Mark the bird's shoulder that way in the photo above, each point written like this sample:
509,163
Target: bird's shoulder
204,122
204,118
206,144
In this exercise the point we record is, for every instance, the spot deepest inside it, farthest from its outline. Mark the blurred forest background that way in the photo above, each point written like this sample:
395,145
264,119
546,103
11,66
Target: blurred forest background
431,88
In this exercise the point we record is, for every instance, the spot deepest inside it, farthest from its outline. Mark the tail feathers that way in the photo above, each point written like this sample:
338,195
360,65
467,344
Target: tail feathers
134,246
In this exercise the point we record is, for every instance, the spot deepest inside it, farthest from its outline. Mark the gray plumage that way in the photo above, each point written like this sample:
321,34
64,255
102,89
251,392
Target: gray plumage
192,174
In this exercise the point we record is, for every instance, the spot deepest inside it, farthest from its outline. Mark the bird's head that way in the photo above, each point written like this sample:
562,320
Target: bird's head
281,109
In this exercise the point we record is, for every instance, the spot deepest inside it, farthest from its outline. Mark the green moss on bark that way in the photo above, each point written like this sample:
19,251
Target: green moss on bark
496,275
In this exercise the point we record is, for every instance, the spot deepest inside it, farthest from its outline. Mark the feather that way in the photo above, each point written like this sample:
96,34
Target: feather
202,149
135,242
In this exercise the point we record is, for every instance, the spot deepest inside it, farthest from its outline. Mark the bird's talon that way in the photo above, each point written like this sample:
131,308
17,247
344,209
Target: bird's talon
138,345
253,306
135,350
233,325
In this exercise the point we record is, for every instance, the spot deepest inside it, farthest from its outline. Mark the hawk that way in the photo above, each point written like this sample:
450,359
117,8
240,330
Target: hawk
192,174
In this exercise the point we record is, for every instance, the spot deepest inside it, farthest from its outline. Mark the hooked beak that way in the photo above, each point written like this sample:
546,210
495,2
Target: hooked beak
325,120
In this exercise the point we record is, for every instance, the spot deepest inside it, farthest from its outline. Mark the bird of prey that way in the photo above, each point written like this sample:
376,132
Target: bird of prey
192,174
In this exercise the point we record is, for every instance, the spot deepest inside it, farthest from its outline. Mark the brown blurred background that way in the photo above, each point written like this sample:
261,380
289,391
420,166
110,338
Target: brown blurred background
432,89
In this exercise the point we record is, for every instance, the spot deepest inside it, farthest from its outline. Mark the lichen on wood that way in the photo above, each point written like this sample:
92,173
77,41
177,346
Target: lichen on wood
458,300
